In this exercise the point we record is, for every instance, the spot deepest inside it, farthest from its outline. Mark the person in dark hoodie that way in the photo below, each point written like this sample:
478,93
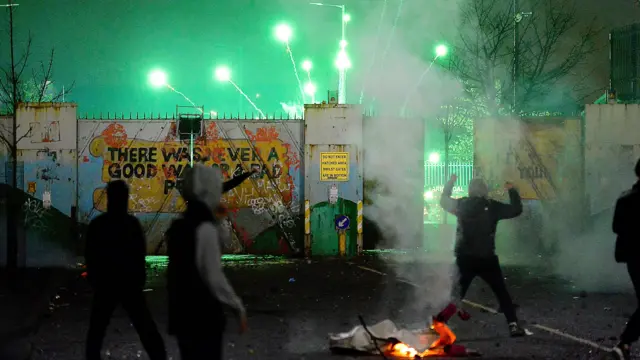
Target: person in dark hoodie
198,288
627,248
237,180
478,218
115,259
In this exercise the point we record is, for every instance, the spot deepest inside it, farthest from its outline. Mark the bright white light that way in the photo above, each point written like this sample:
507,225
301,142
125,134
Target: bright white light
343,62
428,195
309,89
213,113
307,65
158,78
343,44
434,158
223,74
257,95
441,50
283,33
346,18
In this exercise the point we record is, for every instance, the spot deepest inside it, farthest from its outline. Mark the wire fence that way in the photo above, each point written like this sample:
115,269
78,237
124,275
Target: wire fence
435,175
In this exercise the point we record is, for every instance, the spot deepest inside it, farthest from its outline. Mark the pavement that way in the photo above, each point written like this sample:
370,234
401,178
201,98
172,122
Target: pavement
293,304
26,304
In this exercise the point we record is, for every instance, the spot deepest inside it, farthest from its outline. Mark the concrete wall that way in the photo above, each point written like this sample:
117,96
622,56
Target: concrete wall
540,155
337,130
150,157
46,134
612,147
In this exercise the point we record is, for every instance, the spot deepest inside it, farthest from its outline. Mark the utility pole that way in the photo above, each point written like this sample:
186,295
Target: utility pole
12,227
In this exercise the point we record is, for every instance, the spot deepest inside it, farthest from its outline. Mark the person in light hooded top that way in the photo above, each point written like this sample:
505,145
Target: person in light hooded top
197,286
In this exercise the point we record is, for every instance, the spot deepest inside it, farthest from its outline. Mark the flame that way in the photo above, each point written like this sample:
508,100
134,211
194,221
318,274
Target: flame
437,348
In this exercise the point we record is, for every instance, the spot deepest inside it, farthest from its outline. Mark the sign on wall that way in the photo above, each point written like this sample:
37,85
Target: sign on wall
334,166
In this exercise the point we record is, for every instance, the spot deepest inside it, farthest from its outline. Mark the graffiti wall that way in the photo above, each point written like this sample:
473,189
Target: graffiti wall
541,156
46,182
151,158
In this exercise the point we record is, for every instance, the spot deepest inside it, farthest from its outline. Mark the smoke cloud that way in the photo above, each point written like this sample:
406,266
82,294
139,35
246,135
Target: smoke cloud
403,81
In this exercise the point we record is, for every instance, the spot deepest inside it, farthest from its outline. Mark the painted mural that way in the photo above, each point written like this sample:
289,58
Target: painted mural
536,154
149,156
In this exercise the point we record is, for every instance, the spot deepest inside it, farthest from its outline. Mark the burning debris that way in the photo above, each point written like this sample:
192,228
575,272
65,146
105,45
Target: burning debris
387,339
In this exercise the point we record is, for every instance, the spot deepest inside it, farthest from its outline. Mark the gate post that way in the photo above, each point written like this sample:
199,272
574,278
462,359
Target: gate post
333,185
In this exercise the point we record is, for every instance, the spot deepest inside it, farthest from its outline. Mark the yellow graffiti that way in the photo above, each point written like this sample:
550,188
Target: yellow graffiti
539,157
153,171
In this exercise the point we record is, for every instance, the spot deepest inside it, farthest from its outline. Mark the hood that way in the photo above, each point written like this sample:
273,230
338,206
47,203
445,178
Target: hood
478,188
117,197
204,184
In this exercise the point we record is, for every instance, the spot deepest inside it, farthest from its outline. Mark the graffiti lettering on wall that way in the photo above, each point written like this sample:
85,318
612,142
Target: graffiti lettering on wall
34,214
154,169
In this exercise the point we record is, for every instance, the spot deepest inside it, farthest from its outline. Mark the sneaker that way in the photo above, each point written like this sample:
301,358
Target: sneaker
622,352
516,331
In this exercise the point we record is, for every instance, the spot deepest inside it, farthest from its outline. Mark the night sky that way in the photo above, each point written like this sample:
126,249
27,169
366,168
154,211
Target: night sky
109,47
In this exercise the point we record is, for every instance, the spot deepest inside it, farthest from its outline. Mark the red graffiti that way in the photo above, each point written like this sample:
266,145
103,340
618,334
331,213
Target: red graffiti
115,135
263,134
211,131
292,160
284,246
169,172
85,159
172,134
243,236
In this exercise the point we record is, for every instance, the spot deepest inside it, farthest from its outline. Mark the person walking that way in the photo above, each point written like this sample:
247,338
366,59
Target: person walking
197,286
627,248
115,259
478,218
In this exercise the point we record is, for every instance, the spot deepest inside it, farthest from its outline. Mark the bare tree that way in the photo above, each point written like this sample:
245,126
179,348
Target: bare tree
455,120
16,88
552,43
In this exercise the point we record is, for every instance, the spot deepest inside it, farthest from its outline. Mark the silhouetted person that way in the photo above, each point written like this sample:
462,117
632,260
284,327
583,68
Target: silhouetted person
198,288
475,245
115,252
627,250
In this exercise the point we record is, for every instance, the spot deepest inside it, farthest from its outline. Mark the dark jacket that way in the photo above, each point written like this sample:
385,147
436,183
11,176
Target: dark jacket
115,250
625,225
477,220
235,181
197,286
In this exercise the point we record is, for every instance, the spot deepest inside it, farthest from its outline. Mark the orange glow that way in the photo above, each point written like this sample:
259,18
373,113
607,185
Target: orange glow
447,337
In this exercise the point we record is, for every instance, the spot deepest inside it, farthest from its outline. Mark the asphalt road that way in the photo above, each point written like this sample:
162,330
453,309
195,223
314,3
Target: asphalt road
294,304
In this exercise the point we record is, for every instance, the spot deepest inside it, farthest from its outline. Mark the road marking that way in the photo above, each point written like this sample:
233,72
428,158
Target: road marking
480,306
571,337
494,311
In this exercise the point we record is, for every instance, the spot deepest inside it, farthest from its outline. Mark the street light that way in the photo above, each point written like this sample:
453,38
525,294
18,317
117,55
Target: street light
342,62
434,158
